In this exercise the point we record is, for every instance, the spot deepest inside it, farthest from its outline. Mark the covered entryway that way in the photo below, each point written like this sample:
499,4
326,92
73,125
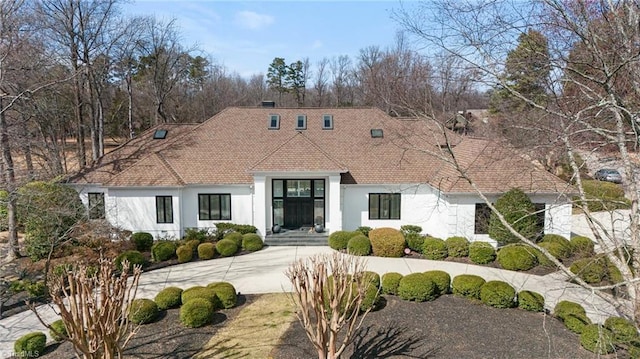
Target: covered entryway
298,203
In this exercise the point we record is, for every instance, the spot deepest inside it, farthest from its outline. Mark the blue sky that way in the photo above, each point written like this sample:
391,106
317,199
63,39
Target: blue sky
245,36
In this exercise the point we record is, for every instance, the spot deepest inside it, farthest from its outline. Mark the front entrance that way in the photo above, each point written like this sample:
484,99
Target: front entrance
298,203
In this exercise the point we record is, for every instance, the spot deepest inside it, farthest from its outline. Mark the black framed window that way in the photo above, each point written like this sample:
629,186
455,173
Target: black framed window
540,209
483,213
214,206
384,205
164,209
96,205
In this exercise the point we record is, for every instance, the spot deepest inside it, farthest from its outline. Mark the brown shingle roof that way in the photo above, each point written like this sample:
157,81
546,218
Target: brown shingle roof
234,144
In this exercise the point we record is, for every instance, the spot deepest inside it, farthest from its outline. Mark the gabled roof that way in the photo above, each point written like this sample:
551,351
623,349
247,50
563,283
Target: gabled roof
232,146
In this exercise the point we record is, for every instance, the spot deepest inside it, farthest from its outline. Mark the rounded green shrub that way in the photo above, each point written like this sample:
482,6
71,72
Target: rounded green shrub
143,241
234,236
434,248
557,245
519,212
170,297
206,250
143,311
226,247
498,294
457,246
481,252
597,339
134,257
387,242
196,313
572,315
193,244
252,242
364,230
517,257
163,251
202,293
58,330
414,241
30,345
226,292
359,245
591,270
417,287
185,253
371,295
339,240
441,279
582,246
623,330
390,282
542,258
467,285
531,301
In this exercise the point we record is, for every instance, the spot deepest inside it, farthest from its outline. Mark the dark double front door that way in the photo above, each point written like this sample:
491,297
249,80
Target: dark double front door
298,202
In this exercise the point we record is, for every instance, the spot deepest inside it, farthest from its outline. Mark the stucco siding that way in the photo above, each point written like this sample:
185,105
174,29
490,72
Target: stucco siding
241,205
135,210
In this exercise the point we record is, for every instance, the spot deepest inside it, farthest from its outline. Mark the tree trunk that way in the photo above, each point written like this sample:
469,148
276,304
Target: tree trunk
10,182
130,104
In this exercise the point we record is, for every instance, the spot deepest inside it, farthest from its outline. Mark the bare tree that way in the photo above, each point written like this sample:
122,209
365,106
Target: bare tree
321,81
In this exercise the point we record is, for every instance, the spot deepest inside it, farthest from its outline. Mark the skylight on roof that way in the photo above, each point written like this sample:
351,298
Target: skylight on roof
160,134
376,133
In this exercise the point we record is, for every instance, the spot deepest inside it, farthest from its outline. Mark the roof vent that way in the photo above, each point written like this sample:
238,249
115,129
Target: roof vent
268,104
376,133
160,134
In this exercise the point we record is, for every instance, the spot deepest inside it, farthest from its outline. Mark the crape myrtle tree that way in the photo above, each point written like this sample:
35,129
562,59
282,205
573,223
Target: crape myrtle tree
590,99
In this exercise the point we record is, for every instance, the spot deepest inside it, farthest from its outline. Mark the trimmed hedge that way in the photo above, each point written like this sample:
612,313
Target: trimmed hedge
206,250
30,345
202,293
390,282
517,257
196,313
417,287
441,279
226,247
225,292
467,285
184,253
143,241
604,196
387,242
58,330
339,240
572,315
252,242
457,246
531,301
597,339
414,241
234,236
170,297
582,246
481,252
163,251
359,245
134,257
434,248
498,294
143,311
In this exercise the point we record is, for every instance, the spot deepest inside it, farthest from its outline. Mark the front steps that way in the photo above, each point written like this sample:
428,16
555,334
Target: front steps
299,237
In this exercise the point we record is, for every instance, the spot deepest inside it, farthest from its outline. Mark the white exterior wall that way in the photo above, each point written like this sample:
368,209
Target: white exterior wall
419,205
241,204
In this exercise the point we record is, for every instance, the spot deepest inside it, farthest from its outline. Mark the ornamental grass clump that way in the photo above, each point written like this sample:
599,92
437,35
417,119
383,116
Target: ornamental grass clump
498,294
226,247
441,279
467,285
417,287
30,345
225,292
170,297
206,251
517,257
359,245
572,315
390,282
143,311
184,253
481,252
252,242
531,301
457,247
434,248
196,313
339,240
597,339
387,242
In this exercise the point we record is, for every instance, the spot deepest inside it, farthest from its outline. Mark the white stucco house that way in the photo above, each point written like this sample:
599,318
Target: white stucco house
296,167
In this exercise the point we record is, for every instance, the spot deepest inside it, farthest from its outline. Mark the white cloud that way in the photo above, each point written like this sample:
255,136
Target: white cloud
253,20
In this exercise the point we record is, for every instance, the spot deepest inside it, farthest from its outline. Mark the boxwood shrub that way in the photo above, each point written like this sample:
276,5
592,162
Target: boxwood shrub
339,240
467,285
184,253
196,313
572,315
498,294
134,257
234,236
226,247
206,250
371,299
434,248
441,279
531,301
169,297
481,252
143,311
163,251
457,246
58,330
557,245
359,245
417,287
582,246
414,241
142,241
390,282
202,293
597,339
252,242
623,330
30,345
591,270
387,242
517,257
226,292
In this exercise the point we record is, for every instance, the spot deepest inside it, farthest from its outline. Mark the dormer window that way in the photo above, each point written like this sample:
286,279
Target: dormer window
376,133
327,122
274,122
301,123
160,134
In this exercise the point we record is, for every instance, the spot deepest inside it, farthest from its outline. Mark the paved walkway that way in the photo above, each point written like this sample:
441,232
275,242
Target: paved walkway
263,272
